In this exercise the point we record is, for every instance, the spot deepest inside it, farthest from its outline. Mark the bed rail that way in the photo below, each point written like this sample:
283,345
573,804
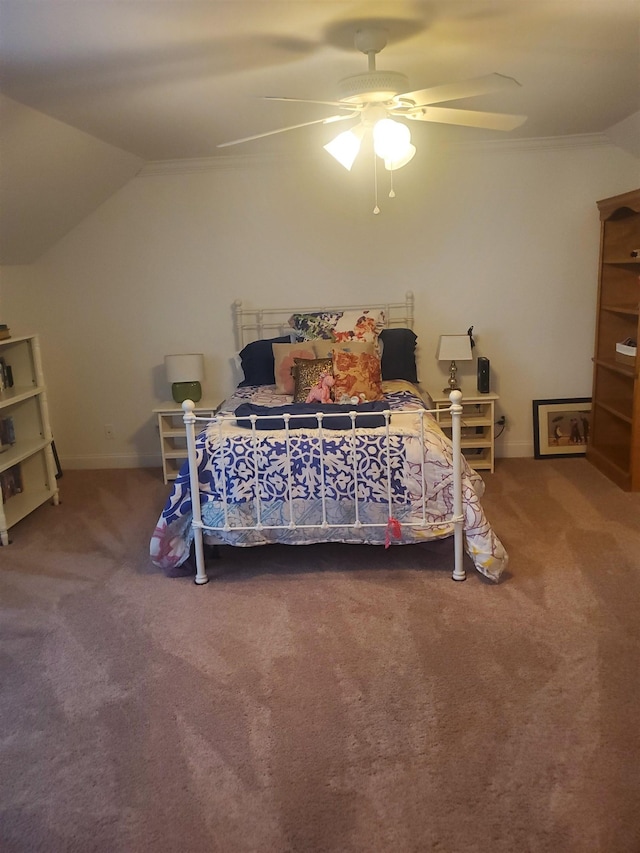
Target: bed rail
457,518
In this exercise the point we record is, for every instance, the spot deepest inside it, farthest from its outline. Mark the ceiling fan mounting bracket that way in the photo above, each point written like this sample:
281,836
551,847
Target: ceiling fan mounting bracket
370,39
372,87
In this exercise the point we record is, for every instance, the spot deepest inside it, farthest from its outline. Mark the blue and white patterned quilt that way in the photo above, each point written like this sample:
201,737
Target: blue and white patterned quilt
251,489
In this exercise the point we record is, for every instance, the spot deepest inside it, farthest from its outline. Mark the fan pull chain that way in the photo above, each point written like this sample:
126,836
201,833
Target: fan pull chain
376,209
392,192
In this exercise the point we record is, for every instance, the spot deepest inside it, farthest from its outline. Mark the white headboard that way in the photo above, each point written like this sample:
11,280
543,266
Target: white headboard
252,324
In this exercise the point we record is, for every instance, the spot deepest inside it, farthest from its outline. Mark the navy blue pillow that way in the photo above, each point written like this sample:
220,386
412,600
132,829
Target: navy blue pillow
257,361
369,415
399,354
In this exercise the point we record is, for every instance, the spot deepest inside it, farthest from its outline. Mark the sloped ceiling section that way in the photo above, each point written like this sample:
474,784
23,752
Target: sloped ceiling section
626,134
51,177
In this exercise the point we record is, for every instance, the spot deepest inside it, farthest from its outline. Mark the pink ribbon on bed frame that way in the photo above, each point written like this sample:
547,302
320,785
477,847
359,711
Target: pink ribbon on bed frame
393,531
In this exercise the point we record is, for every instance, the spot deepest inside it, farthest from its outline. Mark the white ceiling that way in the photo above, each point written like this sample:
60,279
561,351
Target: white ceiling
90,90
166,80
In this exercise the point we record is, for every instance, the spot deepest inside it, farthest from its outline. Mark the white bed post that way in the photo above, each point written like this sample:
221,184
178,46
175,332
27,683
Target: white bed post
409,300
237,319
189,421
459,573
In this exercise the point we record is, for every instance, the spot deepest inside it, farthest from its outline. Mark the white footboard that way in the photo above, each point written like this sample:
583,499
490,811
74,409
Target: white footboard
420,521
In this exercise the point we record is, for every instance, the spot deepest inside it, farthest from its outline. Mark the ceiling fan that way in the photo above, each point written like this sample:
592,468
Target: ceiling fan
381,96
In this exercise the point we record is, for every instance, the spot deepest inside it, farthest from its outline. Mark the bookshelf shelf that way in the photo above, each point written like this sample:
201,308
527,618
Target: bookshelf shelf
614,437
27,463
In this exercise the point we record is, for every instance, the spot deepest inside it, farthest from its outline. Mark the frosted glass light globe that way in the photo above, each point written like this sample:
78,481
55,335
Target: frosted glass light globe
392,165
345,147
391,139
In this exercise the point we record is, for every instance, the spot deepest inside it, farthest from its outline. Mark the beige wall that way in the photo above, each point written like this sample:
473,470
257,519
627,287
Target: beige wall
504,238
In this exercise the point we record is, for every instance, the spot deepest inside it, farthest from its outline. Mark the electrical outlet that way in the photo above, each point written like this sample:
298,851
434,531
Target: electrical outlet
108,431
501,421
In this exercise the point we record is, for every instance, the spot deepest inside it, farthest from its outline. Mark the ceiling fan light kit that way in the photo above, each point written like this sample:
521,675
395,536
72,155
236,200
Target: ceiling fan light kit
379,98
345,147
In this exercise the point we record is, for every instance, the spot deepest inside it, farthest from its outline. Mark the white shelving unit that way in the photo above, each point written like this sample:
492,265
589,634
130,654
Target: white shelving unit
27,464
173,444
478,418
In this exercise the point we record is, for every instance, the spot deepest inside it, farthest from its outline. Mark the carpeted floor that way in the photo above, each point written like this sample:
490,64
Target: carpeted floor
323,698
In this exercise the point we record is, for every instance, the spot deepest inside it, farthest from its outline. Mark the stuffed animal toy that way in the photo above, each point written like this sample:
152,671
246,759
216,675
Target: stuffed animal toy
321,391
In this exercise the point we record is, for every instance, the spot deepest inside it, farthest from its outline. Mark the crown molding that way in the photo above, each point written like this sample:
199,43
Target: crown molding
208,164
157,168
536,143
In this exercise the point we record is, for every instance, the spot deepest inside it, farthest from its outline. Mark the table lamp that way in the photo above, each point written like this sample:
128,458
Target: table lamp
185,372
453,348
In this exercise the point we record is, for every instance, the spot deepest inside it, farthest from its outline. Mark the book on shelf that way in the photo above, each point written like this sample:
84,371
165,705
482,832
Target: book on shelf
6,375
7,433
11,482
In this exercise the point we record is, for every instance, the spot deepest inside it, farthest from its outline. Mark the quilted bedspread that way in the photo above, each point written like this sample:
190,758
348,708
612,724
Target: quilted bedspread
250,488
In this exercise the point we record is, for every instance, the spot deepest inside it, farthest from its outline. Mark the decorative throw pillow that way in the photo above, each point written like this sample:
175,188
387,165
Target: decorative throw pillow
256,360
325,349
307,373
359,325
399,354
284,355
357,375
318,324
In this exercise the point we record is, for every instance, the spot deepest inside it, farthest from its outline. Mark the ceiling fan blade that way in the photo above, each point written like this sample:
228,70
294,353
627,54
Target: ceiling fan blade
342,106
329,120
464,89
468,118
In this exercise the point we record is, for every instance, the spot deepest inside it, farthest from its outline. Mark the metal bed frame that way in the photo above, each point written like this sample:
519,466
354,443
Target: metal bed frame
255,324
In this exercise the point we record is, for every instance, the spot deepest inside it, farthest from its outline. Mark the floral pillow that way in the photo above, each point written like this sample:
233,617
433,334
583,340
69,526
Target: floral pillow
283,359
307,373
357,375
315,325
325,349
359,324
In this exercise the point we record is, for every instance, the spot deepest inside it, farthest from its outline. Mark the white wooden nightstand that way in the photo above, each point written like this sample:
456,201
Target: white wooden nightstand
173,442
478,418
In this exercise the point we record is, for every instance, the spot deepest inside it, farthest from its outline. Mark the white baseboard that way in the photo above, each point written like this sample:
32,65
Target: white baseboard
508,450
514,449
129,460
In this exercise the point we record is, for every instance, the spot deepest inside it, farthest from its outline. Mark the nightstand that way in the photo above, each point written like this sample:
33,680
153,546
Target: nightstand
478,418
173,442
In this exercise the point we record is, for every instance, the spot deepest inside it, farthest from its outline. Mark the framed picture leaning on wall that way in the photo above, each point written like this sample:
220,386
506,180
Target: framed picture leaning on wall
561,427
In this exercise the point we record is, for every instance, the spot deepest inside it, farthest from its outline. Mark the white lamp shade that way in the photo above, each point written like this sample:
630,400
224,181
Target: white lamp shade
454,348
345,147
186,367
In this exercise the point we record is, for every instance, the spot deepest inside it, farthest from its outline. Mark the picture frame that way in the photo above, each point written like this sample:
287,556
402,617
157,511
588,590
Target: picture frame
561,427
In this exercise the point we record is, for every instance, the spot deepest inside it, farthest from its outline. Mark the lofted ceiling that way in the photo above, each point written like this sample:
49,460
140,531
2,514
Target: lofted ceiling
171,79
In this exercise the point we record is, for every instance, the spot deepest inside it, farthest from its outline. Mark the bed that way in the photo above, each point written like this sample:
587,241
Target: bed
369,466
